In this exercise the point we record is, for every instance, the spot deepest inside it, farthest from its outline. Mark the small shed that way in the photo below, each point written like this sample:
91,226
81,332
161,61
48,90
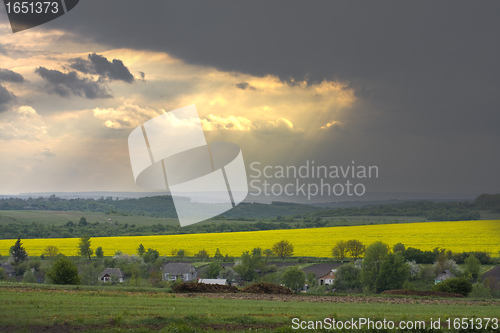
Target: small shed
110,274
221,282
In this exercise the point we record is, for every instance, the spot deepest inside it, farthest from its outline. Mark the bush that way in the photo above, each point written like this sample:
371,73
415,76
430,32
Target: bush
294,278
459,285
64,271
407,285
29,277
479,290
35,264
21,268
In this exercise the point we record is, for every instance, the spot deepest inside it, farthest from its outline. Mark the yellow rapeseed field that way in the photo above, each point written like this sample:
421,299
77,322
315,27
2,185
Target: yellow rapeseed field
456,236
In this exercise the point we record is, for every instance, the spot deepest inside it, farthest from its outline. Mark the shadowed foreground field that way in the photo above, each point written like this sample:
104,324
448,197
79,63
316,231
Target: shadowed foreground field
61,309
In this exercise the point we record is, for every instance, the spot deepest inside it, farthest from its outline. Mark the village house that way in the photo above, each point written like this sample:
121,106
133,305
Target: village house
444,276
8,269
324,273
327,279
184,271
111,275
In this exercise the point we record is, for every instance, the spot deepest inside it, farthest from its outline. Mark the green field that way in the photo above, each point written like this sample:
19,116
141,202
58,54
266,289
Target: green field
62,217
37,307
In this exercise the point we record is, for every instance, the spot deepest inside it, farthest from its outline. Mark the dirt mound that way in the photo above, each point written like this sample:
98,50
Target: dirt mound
192,287
421,293
266,288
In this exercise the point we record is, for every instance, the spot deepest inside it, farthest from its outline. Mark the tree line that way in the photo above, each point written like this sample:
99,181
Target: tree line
162,206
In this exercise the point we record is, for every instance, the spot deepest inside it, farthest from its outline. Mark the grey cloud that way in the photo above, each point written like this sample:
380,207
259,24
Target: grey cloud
46,153
97,64
10,76
70,84
244,85
6,97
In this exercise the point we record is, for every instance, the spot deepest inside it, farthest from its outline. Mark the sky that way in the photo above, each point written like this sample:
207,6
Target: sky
411,88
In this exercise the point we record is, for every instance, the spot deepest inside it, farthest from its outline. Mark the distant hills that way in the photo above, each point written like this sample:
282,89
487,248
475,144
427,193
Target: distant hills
163,206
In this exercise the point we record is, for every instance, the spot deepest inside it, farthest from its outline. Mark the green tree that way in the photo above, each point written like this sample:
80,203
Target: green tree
283,249
371,264
83,222
218,255
203,255
250,265
99,253
472,266
2,274
84,248
18,252
347,278
339,251
355,248
257,252
399,247
141,250
35,264
21,268
312,280
180,254
51,251
63,271
151,255
213,270
394,271
293,277
89,274
268,253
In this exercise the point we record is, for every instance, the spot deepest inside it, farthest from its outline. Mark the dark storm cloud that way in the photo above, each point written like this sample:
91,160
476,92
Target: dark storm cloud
97,64
425,73
70,84
6,97
10,76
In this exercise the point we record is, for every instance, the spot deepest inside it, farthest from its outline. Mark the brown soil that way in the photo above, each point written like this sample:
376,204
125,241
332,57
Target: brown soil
190,287
421,293
340,299
266,288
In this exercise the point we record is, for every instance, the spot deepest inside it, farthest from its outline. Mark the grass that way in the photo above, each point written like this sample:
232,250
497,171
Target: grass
34,305
62,217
